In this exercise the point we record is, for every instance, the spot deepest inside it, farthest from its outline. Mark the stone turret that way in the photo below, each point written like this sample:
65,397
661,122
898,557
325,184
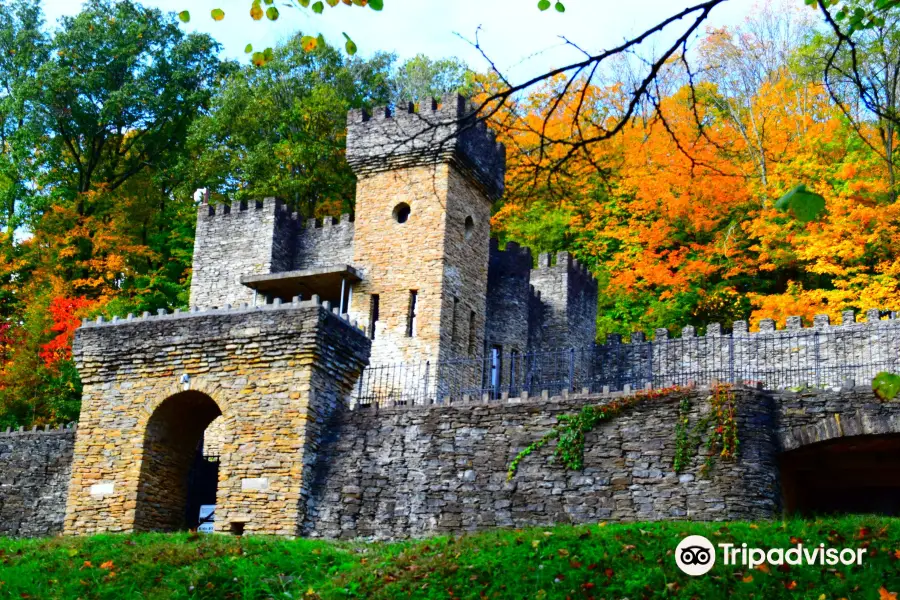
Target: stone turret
425,183
569,295
509,297
235,240
389,139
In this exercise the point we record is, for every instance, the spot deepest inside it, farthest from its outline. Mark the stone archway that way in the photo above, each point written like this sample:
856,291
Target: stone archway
845,474
170,444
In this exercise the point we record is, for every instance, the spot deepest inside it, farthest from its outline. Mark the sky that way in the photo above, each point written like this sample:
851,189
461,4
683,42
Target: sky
520,39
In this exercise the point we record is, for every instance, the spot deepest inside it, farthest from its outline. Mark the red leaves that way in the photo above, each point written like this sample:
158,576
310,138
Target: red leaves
66,313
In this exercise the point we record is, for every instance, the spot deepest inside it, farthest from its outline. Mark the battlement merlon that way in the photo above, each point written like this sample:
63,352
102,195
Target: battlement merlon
512,261
565,262
390,139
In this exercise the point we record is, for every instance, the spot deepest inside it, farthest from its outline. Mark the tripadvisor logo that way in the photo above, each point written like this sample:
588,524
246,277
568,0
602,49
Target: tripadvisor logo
696,555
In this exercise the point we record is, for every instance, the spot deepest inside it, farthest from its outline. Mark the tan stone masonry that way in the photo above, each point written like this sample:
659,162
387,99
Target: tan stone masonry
152,386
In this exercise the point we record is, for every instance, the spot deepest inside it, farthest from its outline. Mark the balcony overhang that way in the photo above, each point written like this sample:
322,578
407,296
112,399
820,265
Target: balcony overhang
326,282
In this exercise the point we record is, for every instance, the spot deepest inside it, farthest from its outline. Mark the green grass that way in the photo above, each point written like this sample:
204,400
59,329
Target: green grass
609,561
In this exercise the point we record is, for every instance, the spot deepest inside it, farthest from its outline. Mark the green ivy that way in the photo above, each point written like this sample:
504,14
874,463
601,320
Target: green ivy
571,429
718,427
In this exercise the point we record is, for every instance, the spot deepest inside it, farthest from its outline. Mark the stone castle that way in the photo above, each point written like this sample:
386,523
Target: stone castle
416,267
286,319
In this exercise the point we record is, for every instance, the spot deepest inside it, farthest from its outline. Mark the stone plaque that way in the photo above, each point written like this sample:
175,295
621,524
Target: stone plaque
102,489
259,484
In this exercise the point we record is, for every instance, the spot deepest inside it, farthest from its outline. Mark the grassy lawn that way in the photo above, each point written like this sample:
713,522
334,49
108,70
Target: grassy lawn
597,561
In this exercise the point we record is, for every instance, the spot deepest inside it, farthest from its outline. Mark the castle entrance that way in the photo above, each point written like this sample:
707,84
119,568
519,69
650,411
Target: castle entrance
177,477
855,474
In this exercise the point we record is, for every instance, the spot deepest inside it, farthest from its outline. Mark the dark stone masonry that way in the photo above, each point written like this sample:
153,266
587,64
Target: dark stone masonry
409,472
35,467
422,470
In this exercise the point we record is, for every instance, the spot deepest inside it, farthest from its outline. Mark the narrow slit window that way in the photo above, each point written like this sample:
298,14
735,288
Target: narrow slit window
412,314
373,315
471,333
453,323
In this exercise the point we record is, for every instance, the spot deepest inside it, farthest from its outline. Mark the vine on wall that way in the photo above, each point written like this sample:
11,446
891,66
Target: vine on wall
571,429
718,428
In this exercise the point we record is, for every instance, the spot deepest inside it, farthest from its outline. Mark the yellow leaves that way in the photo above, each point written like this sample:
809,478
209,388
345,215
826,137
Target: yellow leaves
747,579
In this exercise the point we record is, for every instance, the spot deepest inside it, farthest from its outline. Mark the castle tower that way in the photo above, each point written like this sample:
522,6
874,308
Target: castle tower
569,296
425,185
235,241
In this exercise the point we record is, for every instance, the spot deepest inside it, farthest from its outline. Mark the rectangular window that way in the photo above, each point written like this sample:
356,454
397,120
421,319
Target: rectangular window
453,324
472,333
373,315
411,315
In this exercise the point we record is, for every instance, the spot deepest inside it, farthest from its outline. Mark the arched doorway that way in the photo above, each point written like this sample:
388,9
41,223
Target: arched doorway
175,477
855,474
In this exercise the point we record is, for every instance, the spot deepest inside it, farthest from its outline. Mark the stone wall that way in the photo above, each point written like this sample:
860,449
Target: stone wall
509,294
35,467
415,471
403,471
823,355
325,243
245,239
152,385
569,294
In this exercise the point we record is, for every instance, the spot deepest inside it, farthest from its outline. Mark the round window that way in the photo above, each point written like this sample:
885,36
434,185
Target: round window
401,212
470,227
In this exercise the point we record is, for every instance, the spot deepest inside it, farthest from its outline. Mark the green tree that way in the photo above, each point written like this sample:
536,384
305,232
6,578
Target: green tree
421,77
279,129
23,47
121,88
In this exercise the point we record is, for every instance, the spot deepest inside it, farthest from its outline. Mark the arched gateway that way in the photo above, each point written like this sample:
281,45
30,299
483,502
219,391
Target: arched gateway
276,374
839,453
172,482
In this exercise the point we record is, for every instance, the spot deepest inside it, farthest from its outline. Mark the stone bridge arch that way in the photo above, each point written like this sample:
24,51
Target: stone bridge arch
839,453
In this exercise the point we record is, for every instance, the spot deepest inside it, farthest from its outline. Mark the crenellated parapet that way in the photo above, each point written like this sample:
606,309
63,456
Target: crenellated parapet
390,138
821,355
569,295
325,241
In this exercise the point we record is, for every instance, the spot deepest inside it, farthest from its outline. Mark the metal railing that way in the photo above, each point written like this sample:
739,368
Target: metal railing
777,360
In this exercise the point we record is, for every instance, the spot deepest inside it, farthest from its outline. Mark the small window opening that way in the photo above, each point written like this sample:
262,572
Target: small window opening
373,315
237,528
471,333
401,212
470,227
412,314
453,323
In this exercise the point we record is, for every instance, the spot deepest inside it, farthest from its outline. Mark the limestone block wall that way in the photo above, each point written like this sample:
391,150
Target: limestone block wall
153,384
35,467
325,243
406,472
509,292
